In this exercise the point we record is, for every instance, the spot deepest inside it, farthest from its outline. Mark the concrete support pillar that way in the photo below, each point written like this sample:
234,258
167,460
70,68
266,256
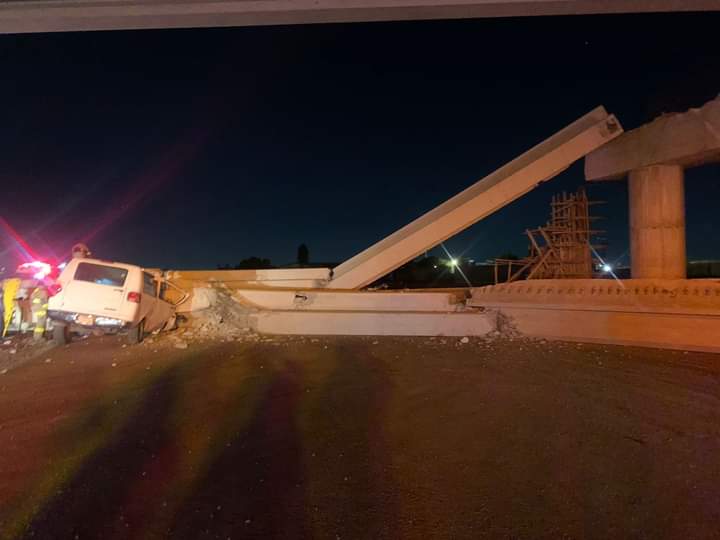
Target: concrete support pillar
657,222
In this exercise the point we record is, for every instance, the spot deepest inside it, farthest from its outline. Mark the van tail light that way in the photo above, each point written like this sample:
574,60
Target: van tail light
134,297
54,289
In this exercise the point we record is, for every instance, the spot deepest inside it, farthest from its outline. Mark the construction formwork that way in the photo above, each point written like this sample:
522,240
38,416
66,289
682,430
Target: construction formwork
563,248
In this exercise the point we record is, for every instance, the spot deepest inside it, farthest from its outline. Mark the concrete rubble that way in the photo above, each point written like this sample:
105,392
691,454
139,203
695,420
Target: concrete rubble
18,349
224,319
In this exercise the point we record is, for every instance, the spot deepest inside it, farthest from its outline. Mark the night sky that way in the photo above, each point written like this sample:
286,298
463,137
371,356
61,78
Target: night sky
193,148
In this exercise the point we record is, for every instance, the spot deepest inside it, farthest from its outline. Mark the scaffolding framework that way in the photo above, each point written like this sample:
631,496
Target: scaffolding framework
562,248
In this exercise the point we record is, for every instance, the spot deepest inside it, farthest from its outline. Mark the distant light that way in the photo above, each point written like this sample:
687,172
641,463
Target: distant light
435,266
453,262
607,268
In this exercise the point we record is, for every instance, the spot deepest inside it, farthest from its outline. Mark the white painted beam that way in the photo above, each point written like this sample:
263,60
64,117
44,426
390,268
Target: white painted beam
233,279
329,300
373,323
260,275
500,188
686,139
19,16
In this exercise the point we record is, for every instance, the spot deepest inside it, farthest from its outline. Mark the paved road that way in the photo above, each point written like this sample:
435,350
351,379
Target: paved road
360,438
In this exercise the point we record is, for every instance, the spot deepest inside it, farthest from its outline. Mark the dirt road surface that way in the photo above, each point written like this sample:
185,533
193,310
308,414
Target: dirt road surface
360,438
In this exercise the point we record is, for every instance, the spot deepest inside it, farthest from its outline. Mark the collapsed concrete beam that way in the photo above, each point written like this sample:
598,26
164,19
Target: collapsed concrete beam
500,188
378,301
373,323
201,283
686,139
234,279
61,16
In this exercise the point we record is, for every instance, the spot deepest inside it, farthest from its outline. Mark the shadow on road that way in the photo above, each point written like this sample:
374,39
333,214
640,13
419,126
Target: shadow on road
349,459
90,504
255,486
274,455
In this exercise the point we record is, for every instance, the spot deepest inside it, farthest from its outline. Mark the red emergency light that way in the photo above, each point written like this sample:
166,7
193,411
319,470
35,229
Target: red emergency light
37,269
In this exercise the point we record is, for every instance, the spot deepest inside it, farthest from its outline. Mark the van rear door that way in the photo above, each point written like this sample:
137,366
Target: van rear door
95,289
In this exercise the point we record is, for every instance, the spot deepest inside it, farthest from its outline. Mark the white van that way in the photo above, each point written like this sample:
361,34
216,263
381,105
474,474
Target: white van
91,294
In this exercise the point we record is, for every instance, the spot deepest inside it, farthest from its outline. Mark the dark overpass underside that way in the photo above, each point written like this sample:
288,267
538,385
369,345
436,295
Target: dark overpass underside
25,16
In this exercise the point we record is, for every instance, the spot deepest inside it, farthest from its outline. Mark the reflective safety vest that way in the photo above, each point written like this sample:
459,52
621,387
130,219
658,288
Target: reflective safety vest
10,290
39,305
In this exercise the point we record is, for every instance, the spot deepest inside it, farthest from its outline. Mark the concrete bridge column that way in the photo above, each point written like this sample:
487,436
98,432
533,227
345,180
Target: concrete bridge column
657,222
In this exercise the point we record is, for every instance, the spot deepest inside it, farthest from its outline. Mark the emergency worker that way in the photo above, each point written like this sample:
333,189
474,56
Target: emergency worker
39,306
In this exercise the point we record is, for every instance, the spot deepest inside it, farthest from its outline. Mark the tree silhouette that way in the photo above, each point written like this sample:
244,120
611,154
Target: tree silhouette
303,255
254,263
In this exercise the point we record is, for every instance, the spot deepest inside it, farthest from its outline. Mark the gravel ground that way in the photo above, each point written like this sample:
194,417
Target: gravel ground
242,436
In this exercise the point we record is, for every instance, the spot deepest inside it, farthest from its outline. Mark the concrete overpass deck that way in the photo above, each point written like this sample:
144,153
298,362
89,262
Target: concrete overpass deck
21,16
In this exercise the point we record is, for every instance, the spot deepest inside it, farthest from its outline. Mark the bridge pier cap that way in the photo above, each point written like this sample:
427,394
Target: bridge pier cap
654,156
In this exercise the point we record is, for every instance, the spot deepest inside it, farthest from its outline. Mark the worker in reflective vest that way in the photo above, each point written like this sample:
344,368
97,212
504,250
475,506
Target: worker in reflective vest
39,306
10,289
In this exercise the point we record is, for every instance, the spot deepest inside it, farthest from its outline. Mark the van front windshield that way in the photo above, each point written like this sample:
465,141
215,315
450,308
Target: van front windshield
101,275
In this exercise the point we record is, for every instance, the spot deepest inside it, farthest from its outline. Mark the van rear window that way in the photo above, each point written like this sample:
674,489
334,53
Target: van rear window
101,275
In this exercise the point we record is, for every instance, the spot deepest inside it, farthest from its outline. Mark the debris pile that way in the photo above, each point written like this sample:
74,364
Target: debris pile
506,327
225,319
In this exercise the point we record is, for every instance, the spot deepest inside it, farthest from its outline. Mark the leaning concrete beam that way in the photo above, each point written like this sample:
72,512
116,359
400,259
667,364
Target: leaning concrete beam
521,175
18,16
686,139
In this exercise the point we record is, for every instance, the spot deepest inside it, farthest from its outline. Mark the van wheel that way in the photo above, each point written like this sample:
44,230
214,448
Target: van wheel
136,335
61,334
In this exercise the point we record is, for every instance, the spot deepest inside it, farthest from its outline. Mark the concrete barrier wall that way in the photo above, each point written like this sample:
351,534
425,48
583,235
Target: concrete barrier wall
682,296
674,314
665,331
